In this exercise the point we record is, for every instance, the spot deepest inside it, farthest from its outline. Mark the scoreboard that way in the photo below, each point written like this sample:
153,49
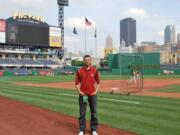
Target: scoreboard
28,34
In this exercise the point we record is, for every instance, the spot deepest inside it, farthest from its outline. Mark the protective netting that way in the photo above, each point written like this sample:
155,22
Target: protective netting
130,74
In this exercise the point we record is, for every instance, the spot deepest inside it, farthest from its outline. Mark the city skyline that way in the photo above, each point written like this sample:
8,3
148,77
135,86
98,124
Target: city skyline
105,15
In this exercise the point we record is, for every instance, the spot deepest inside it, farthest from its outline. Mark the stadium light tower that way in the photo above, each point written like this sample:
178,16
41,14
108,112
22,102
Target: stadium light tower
61,4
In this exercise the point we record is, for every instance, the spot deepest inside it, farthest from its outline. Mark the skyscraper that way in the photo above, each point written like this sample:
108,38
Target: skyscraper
170,34
108,46
109,42
128,31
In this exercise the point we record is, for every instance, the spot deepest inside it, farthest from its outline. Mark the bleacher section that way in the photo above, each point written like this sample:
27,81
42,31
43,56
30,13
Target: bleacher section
9,63
47,62
23,62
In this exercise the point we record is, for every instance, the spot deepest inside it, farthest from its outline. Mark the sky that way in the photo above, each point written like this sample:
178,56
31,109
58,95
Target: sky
151,15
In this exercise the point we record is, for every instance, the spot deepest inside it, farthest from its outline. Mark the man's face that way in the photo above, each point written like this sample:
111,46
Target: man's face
87,61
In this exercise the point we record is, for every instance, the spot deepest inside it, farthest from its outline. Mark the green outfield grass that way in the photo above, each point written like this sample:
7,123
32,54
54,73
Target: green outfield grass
161,76
170,89
38,79
142,115
66,78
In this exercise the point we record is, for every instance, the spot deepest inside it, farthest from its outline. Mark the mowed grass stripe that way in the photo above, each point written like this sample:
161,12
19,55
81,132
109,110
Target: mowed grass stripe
142,99
164,104
135,98
150,105
42,79
59,91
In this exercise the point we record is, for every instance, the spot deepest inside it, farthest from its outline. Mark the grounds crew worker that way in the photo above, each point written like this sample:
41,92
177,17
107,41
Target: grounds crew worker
87,83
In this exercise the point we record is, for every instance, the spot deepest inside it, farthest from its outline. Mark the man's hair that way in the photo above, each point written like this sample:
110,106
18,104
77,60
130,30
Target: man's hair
86,56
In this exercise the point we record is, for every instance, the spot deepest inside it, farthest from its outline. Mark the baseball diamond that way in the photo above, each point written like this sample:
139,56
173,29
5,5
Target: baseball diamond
52,99
61,75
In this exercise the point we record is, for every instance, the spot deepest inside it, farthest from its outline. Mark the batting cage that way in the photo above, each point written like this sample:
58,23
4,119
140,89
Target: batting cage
130,72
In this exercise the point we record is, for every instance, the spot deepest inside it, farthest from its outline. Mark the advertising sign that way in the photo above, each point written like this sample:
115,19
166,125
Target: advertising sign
54,37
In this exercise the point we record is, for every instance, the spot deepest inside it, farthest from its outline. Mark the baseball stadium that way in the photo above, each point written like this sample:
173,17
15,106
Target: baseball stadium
38,94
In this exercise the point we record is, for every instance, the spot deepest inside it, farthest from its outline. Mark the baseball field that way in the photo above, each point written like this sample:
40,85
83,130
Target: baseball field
48,105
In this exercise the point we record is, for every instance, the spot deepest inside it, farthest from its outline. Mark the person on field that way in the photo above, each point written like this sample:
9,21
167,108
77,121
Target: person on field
133,77
87,83
138,75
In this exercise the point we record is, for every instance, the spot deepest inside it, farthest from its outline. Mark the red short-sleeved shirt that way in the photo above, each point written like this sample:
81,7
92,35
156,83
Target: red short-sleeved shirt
87,79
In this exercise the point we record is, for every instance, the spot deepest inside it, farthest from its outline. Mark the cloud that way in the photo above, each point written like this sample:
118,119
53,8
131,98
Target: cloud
92,4
139,13
27,2
46,8
35,6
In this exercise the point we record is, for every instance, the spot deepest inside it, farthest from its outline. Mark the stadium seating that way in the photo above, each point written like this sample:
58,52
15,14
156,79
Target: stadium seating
47,62
9,61
23,62
28,62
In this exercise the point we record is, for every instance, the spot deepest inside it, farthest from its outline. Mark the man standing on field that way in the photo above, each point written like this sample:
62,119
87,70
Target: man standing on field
87,83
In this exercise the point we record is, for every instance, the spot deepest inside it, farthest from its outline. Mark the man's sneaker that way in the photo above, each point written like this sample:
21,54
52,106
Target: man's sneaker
81,133
94,133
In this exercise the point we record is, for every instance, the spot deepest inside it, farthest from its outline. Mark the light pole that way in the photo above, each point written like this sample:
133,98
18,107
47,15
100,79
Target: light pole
61,4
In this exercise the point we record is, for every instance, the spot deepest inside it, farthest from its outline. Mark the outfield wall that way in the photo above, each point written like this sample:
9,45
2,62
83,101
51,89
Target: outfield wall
41,72
123,63
150,60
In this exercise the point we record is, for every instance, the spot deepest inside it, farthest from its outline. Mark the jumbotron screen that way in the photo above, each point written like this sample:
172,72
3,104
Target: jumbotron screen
30,35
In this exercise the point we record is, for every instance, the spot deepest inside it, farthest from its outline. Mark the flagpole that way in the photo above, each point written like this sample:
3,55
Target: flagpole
85,40
75,39
87,23
96,46
95,36
74,44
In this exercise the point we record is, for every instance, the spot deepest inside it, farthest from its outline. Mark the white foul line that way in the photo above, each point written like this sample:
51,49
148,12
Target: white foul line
107,99
118,100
